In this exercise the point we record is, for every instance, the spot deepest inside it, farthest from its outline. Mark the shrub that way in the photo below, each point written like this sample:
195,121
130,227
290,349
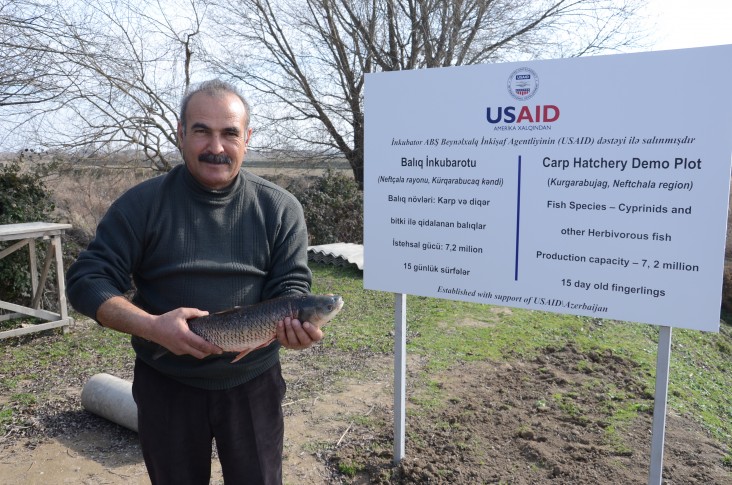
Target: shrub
23,198
333,207
727,287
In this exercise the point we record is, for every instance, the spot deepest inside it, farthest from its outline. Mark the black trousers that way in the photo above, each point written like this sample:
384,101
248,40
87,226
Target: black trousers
177,424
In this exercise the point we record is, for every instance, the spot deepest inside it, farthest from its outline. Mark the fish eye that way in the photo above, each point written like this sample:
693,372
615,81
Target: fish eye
330,307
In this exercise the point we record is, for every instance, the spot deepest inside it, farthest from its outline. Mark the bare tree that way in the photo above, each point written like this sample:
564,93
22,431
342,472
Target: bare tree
24,53
31,82
307,58
130,62
119,68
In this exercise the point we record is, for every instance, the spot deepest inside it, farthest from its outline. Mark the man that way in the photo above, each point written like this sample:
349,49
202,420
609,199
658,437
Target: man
205,237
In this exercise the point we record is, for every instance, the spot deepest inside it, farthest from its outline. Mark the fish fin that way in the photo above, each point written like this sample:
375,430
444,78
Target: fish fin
160,352
267,343
226,312
244,352
241,355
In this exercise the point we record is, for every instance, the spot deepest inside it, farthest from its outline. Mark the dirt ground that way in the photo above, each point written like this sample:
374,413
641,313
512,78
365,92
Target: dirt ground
544,421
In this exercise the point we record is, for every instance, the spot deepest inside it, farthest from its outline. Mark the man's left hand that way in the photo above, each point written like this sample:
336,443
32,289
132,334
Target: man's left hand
297,335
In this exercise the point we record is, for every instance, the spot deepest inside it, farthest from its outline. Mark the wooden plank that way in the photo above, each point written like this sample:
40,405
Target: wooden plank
35,328
31,229
33,261
13,248
62,306
45,315
40,284
10,316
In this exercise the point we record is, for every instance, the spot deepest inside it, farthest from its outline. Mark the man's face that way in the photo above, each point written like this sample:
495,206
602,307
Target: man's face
215,139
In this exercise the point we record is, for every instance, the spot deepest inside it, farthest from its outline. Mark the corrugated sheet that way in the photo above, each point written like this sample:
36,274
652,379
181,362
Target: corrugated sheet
337,254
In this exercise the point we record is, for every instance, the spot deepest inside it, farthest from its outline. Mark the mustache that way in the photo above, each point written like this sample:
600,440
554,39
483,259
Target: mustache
220,159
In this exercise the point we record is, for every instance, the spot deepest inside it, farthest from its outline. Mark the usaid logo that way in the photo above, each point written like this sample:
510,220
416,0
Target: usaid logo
523,83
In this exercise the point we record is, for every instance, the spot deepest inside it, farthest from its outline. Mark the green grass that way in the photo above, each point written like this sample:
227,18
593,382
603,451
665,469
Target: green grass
6,416
442,333
349,469
701,362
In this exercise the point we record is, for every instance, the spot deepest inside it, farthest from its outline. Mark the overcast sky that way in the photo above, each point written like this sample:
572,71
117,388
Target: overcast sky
674,24
691,23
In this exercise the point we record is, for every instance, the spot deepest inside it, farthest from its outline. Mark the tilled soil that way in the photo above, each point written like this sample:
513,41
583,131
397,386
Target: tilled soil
545,421
540,422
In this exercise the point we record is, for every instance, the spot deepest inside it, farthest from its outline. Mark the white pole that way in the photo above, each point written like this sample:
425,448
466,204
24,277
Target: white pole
400,372
663,363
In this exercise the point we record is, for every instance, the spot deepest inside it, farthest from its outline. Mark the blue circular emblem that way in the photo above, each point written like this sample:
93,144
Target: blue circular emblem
523,83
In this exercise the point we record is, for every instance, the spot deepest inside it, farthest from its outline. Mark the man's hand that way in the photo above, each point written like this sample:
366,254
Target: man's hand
172,332
295,335
169,330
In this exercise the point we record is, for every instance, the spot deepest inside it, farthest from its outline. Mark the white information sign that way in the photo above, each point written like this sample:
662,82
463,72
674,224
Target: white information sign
594,186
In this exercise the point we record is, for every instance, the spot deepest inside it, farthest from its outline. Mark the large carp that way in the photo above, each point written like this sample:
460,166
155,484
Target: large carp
246,328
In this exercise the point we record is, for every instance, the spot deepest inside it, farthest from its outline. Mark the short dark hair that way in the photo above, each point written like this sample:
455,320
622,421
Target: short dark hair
212,87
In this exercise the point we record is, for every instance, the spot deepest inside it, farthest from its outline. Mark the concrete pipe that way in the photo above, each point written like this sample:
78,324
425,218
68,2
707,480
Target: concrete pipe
111,398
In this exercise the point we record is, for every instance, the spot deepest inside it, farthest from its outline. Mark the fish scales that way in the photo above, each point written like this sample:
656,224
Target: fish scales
236,328
243,329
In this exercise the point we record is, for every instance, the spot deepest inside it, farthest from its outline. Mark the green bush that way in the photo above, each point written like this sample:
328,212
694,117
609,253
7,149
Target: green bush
23,198
333,207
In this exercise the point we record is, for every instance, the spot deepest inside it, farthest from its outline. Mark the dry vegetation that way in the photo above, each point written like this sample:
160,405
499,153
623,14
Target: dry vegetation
83,195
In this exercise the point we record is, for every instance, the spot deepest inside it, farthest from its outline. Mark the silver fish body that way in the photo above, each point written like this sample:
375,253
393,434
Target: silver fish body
243,329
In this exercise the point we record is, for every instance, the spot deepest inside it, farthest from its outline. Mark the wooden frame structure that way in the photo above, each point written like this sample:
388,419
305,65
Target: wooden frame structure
26,234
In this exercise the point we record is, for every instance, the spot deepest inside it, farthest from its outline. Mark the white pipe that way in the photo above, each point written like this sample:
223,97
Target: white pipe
110,397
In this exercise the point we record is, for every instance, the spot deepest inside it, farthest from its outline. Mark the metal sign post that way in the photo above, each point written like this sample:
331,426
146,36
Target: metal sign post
400,373
663,363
